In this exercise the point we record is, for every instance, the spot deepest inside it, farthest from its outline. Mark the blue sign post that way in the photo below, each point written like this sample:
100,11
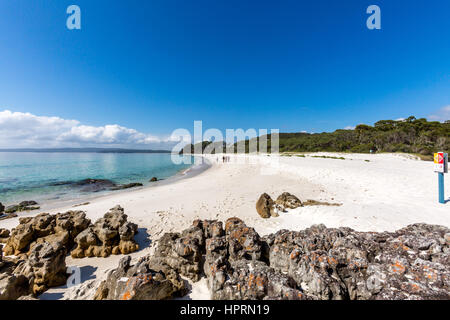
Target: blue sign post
441,187
441,167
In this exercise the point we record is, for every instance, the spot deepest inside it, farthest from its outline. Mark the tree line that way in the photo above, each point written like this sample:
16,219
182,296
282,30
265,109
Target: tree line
411,135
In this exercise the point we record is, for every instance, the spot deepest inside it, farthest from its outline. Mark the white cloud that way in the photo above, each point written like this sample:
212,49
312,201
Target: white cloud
21,130
442,114
349,128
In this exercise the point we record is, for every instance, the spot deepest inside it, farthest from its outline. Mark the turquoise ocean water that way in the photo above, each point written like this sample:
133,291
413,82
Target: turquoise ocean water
49,176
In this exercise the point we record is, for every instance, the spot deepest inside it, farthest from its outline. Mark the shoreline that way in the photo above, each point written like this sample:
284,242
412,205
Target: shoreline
385,194
360,182
76,202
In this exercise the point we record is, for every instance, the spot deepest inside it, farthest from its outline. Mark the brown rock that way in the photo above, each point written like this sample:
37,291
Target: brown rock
127,246
20,239
112,234
265,206
142,281
4,235
13,286
288,201
45,267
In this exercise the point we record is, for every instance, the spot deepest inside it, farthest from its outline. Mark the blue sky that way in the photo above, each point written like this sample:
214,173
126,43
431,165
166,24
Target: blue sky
154,66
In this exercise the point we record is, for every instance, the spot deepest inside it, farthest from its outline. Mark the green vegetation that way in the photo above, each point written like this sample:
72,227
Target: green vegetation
416,136
328,157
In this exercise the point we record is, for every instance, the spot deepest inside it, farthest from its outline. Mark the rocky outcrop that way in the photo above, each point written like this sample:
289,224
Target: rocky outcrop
31,229
127,186
243,242
42,243
265,207
288,201
233,259
45,266
254,280
112,234
4,235
28,203
2,208
20,239
236,267
95,185
23,206
141,281
181,252
8,216
12,286
412,263
316,263
154,179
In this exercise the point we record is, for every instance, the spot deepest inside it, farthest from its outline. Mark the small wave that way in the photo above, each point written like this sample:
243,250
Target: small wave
8,180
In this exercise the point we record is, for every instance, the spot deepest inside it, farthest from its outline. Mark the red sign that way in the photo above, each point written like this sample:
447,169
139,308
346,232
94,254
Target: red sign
441,162
439,158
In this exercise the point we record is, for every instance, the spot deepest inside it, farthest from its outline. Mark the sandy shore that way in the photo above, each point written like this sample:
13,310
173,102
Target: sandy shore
385,193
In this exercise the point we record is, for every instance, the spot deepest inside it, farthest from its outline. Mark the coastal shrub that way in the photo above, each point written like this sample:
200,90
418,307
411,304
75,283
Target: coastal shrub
411,135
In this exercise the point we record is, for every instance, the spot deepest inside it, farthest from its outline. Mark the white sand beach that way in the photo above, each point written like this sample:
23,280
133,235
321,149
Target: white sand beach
385,193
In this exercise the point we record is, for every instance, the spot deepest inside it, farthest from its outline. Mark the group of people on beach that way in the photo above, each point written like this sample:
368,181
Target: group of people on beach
224,159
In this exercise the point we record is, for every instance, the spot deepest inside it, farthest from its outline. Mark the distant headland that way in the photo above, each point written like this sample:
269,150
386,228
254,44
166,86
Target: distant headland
86,150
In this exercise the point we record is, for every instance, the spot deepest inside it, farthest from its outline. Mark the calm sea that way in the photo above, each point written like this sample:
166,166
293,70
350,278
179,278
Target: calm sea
50,176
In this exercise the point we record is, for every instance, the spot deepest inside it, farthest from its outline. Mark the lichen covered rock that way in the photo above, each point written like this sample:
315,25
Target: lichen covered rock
316,263
141,281
411,263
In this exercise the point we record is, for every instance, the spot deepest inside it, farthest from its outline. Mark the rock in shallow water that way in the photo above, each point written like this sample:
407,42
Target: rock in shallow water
127,186
23,206
95,185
